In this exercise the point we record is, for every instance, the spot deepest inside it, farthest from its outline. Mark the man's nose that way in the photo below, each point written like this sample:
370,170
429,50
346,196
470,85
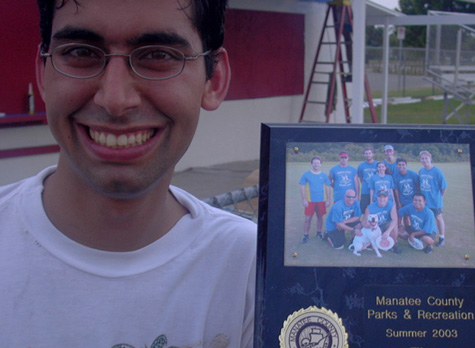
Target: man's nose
118,91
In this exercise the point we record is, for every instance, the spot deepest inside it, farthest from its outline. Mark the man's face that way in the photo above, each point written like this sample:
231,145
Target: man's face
389,153
419,202
344,160
350,197
426,161
402,167
382,200
316,165
119,105
368,155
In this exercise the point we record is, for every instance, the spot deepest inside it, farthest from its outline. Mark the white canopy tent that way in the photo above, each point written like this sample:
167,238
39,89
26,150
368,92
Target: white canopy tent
395,18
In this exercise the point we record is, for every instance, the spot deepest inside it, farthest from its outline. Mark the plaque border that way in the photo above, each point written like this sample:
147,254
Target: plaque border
282,290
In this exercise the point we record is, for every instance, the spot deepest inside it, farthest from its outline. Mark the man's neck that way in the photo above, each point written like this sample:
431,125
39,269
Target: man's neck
316,171
390,159
97,221
428,167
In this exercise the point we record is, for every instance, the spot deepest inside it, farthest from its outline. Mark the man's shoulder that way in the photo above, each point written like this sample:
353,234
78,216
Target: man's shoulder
9,191
365,164
428,211
407,208
213,219
338,205
373,206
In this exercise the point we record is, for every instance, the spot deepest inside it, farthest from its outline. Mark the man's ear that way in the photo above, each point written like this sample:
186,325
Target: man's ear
40,70
217,86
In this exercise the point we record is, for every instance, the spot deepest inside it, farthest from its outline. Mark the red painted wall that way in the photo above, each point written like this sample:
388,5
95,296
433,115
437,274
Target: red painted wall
19,39
266,51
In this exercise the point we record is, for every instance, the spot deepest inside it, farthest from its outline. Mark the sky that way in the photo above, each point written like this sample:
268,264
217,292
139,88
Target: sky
391,4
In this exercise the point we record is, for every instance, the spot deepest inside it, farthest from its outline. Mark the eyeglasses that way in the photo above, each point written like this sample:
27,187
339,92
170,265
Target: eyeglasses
351,197
82,61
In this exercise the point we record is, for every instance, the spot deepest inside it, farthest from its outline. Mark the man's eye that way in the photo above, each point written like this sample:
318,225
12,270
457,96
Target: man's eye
161,54
80,52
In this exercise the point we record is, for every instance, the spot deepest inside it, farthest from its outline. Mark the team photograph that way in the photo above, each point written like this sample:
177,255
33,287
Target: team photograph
379,205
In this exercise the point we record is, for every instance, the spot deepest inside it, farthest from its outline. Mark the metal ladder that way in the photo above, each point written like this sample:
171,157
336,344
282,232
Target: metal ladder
342,25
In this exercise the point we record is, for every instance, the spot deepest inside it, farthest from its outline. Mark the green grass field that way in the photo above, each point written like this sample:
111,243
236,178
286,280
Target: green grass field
458,214
424,112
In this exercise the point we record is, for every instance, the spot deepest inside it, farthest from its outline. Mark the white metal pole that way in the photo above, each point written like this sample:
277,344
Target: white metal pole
384,105
359,30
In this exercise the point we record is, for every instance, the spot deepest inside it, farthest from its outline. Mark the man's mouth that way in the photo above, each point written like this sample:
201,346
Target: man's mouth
119,141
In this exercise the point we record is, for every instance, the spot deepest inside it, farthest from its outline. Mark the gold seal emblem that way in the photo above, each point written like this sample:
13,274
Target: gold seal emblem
313,328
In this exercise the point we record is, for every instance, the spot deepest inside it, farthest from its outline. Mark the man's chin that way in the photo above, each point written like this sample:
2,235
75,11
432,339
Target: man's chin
123,188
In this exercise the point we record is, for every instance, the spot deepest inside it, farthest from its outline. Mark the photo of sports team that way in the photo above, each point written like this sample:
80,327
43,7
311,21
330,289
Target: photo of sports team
388,205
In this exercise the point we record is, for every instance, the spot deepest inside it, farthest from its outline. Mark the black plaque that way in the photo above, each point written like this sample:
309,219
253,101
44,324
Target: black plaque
412,299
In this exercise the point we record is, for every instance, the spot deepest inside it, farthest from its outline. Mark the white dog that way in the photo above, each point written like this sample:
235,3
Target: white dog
368,237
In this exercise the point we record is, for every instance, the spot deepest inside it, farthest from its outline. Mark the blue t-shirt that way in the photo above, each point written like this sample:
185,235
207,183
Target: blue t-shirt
365,172
432,182
344,179
391,166
340,212
407,185
423,220
384,213
381,183
315,184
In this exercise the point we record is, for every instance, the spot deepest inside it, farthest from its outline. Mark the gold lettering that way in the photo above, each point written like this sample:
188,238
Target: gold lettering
386,314
445,302
405,333
397,301
455,315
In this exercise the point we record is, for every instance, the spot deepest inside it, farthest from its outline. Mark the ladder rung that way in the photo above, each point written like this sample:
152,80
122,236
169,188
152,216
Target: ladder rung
323,72
335,42
320,83
312,121
315,102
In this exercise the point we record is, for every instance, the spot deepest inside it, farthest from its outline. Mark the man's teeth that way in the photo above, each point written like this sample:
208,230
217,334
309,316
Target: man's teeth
120,141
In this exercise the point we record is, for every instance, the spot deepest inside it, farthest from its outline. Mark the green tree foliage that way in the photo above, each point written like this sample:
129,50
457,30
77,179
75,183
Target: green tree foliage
416,35
328,152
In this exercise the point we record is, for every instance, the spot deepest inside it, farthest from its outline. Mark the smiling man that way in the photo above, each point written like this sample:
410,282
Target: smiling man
100,250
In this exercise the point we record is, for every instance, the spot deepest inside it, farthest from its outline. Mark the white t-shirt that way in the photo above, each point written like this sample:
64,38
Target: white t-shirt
194,287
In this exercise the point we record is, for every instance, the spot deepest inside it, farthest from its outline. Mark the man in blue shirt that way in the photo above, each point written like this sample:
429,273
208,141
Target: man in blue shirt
314,187
344,217
366,170
390,159
387,217
419,222
433,185
407,183
343,177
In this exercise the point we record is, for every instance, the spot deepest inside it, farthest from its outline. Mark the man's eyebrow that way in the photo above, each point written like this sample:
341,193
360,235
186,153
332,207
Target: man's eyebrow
70,33
74,33
159,38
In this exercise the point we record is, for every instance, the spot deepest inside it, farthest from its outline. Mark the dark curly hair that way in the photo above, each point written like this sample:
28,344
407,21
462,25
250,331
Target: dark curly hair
208,16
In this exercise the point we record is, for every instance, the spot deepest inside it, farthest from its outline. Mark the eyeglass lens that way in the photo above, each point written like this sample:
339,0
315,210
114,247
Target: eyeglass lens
151,62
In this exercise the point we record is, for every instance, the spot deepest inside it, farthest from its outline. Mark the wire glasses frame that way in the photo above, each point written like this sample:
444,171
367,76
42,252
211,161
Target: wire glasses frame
155,62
